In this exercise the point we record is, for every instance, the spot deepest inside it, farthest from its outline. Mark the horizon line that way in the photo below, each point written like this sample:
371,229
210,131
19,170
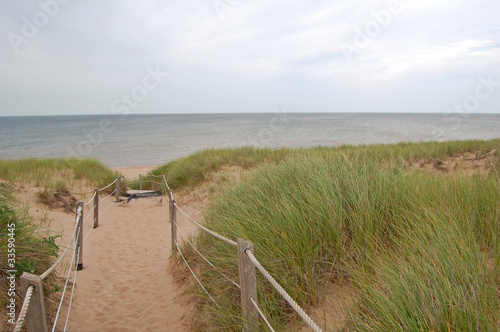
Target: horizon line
234,113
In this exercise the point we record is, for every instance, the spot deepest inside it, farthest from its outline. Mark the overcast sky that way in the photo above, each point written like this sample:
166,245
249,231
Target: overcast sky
206,56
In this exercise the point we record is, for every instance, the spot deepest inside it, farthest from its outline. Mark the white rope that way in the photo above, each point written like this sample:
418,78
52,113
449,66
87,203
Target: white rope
95,193
93,224
220,237
72,290
89,214
102,200
283,293
110,205
91,210
166,184
50,269
206,260
180,252
65,285
90,230
24,309
109,185
261,314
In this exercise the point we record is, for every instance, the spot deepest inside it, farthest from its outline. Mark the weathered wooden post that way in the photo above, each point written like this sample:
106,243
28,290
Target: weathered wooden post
35,320
79,240
117,189
173,222
140,182
248,283
152,182
96,208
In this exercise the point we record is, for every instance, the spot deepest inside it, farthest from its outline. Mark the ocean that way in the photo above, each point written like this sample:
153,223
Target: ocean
142,140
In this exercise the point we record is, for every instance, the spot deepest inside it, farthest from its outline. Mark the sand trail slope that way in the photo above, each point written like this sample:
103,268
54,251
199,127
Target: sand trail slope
125,284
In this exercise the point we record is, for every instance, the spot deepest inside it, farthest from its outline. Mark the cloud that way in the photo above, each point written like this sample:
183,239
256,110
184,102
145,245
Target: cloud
261,53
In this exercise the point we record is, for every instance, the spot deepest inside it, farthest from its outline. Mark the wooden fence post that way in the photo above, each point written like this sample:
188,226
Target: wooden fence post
140,182
248,283
96,208
152,182
173,222
35,320
79,240
117,194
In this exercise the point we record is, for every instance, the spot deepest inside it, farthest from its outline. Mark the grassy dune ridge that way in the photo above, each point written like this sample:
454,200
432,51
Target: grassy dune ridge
196,168
53,173
420,250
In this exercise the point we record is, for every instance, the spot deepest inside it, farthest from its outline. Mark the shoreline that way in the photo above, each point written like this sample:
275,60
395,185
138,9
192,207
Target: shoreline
133,171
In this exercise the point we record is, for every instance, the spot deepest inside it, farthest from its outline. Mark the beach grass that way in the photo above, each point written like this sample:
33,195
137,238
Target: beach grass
196,168
34,250
55,173
419,249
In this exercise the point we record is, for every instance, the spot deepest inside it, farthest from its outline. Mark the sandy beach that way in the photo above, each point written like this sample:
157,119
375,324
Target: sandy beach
125,284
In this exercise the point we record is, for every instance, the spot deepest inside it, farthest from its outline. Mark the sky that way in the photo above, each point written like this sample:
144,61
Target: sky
60,57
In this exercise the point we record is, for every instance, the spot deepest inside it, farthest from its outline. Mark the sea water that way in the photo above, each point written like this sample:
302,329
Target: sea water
140,140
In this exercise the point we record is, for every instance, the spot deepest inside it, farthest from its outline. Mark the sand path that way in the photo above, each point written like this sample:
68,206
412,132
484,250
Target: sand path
125,284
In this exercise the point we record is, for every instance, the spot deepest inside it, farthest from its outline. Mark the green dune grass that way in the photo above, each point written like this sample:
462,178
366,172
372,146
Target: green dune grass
53,173
34,251
196,168
420,250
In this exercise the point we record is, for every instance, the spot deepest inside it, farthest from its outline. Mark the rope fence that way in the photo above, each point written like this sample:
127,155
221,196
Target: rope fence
166,185
52,268
109,185
91,210
24,309
282,292
91,199
65,286
105,198
205,259
261,314
218,236
110,205
194,275
151,180
32,313
247,264
72,292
